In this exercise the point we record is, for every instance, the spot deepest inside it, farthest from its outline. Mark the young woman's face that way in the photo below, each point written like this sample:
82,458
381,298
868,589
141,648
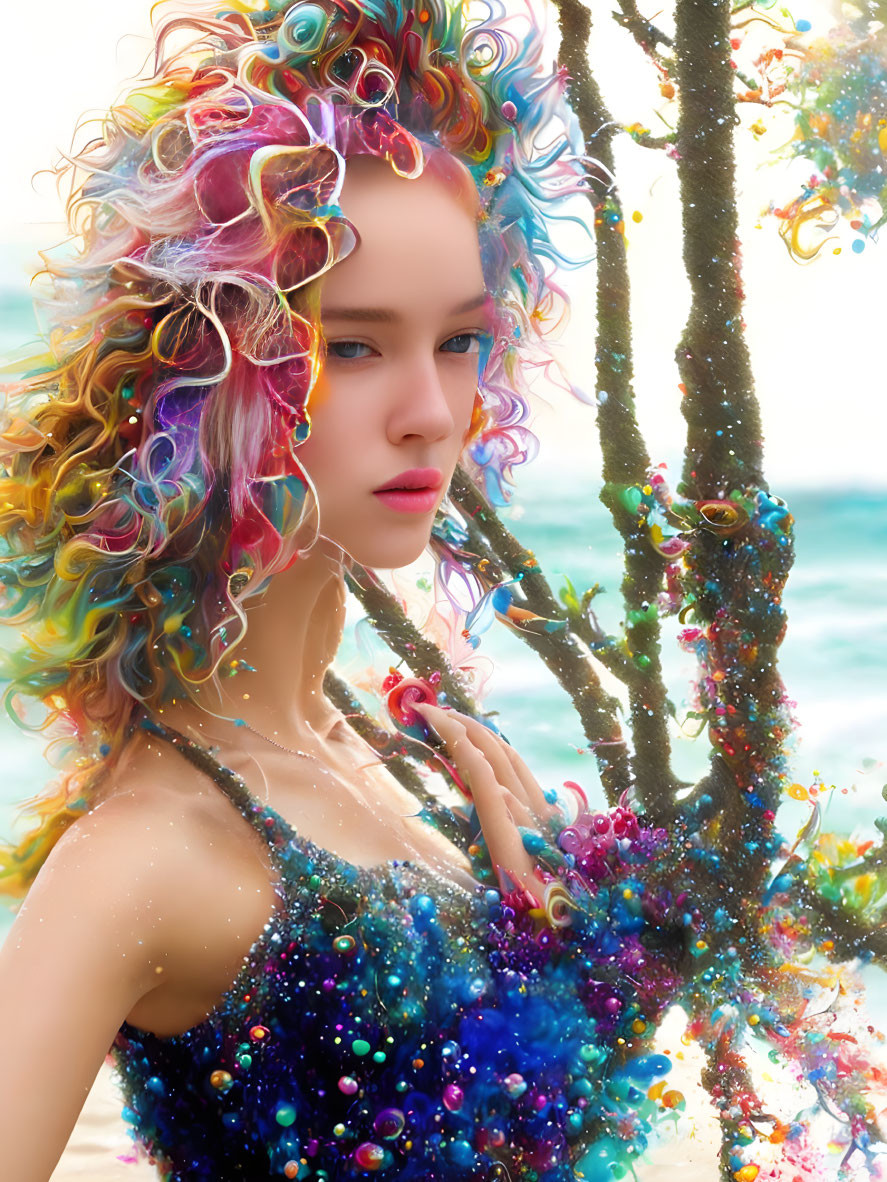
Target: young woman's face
402,318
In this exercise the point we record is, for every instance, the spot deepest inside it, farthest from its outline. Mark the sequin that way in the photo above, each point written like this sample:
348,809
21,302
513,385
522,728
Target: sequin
452,1042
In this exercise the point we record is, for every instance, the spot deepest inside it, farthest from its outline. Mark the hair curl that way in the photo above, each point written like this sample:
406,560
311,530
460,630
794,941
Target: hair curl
158,456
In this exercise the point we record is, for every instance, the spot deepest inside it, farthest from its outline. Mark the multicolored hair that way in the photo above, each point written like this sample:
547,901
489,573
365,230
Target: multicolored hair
155,460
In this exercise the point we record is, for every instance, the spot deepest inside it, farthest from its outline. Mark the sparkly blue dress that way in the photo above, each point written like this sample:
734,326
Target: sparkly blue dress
387,1022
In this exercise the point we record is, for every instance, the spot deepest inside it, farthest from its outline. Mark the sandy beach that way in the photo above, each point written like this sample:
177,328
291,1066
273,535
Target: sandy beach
100,1149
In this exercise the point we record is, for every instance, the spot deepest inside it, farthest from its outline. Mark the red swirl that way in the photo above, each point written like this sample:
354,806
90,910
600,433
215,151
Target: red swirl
410,692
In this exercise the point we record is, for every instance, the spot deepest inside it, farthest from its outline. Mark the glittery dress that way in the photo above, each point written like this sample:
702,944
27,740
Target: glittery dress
388,1022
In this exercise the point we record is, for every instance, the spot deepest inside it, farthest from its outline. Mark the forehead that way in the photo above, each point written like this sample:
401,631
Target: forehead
417,240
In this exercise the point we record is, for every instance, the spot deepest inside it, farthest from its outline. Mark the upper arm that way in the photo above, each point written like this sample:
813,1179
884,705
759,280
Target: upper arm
74,963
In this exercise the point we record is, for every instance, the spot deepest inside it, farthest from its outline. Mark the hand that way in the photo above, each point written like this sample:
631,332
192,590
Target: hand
504,790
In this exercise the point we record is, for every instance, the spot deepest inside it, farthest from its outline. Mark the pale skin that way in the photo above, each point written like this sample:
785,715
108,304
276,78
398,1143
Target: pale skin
147,906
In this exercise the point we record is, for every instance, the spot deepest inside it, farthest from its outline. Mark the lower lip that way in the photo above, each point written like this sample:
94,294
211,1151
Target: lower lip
409,500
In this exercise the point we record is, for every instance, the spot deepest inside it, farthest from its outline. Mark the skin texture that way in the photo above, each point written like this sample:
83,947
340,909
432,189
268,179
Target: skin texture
147,905
400,374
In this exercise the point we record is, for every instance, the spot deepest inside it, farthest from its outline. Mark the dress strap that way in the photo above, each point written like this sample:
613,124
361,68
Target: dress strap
265,820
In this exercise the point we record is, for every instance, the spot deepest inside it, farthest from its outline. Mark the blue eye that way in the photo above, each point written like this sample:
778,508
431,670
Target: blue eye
348,350
463,342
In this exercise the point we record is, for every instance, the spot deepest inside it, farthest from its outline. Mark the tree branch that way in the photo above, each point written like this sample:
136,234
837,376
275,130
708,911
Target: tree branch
735,575
626,461
396,751
404,638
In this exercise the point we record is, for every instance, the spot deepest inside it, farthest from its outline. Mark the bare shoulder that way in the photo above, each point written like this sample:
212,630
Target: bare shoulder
187,876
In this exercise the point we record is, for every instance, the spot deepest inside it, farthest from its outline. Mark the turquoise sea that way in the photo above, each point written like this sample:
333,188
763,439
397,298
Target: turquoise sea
833,658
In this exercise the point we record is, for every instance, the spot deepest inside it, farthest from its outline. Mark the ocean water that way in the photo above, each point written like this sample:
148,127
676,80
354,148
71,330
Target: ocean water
833,658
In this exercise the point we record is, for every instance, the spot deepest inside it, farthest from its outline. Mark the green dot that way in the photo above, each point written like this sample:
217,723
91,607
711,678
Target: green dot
360,1046
314,881
379,1057
285,1115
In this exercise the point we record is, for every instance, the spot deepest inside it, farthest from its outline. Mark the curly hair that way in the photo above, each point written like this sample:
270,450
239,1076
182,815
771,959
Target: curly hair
156,459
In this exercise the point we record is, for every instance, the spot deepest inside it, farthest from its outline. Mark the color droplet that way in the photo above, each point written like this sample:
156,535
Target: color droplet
453,1097
221,1080
747,1174
389,1123
285,1115
369,1156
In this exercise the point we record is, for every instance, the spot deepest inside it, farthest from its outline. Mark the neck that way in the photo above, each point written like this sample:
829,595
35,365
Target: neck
294,628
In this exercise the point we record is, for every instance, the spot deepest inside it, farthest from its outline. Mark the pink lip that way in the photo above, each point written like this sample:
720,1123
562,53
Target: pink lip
415,491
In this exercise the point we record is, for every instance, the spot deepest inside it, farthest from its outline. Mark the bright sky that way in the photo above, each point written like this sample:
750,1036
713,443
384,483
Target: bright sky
814,330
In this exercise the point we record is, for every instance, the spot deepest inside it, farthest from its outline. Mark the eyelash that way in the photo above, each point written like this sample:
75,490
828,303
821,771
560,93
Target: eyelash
476,337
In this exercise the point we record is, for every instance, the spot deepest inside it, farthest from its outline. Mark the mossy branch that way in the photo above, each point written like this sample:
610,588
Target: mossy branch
625,456
405,640
645,33
398,752
734,579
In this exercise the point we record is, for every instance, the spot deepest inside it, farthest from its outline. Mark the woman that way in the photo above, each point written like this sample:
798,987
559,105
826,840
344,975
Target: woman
315,255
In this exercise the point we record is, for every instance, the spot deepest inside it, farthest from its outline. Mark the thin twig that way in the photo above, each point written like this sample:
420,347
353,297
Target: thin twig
645,33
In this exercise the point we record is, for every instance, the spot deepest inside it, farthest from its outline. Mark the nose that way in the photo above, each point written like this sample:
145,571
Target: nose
420,406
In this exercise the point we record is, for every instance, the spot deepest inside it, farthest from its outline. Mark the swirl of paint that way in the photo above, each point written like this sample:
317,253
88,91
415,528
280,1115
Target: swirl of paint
724,517
303,29
409,692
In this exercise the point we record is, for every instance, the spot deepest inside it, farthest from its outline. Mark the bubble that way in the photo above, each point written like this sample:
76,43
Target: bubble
221,1081
389,1123
347,1085
285,1115
369,1156
453,1097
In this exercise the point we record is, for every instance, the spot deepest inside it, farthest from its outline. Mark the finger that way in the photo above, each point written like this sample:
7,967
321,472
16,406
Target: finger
508,765
530,789
494,752
498,810
544,809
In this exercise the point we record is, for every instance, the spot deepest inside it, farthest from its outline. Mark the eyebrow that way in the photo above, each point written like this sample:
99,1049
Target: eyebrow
388,316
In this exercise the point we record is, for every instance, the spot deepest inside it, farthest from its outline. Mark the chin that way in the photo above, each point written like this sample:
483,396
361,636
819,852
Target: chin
389,553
